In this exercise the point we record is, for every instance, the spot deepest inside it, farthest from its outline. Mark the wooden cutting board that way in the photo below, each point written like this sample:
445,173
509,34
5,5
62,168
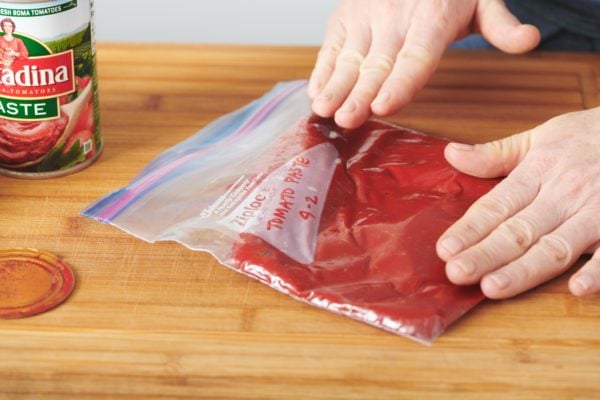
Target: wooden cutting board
163,322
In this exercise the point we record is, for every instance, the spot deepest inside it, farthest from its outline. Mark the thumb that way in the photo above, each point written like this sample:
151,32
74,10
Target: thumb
489,160
502,29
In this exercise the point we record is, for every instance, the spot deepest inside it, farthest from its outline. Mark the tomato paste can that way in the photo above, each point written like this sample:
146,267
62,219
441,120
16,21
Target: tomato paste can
49,120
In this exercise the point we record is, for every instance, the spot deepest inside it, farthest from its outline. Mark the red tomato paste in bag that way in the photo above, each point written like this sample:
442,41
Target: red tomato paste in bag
390,196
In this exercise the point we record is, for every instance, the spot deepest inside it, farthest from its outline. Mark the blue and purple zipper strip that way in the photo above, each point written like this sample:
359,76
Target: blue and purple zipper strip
108,208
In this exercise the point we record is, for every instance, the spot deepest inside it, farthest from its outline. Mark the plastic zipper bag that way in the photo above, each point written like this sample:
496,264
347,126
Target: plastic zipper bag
343,220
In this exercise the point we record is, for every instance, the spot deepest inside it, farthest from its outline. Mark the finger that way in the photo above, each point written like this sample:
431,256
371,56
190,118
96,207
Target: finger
492,159
374,71
502,29
423,48
509,241
345,73
325,64
587,279
487,213
548,258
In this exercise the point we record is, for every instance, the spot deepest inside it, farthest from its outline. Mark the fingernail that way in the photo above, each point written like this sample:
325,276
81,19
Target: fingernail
382,98
584,282
501,280
451,245
348,107
461,146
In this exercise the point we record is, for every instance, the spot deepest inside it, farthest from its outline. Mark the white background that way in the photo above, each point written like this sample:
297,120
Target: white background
285,22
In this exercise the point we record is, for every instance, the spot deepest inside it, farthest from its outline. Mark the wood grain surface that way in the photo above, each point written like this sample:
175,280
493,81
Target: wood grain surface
163,322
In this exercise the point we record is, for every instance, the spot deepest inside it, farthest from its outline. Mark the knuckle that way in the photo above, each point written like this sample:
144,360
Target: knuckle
378,64
324,67
499,146
519,231
487,257
472,230
557,248
523,273
524,189
350,58
330,51
528,273
417,53
494,209
337,23
511,149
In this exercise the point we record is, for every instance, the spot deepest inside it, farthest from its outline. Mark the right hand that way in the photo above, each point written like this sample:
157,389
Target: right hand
378,54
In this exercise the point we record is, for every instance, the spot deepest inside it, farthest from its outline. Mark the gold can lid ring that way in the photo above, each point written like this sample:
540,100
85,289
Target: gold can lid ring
32,282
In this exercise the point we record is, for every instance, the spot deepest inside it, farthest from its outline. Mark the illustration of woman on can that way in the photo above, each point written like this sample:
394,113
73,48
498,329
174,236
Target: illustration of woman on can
11,48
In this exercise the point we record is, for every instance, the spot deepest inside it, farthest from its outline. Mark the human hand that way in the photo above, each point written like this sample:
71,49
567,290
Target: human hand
539,220
377,55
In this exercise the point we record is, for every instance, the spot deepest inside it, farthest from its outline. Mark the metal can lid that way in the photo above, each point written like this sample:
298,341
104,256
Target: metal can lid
32,282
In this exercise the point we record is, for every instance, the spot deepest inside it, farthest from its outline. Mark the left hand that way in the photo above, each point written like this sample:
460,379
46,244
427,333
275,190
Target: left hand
377,55
539,220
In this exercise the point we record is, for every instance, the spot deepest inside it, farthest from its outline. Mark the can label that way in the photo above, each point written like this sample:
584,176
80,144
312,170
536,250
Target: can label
48,88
